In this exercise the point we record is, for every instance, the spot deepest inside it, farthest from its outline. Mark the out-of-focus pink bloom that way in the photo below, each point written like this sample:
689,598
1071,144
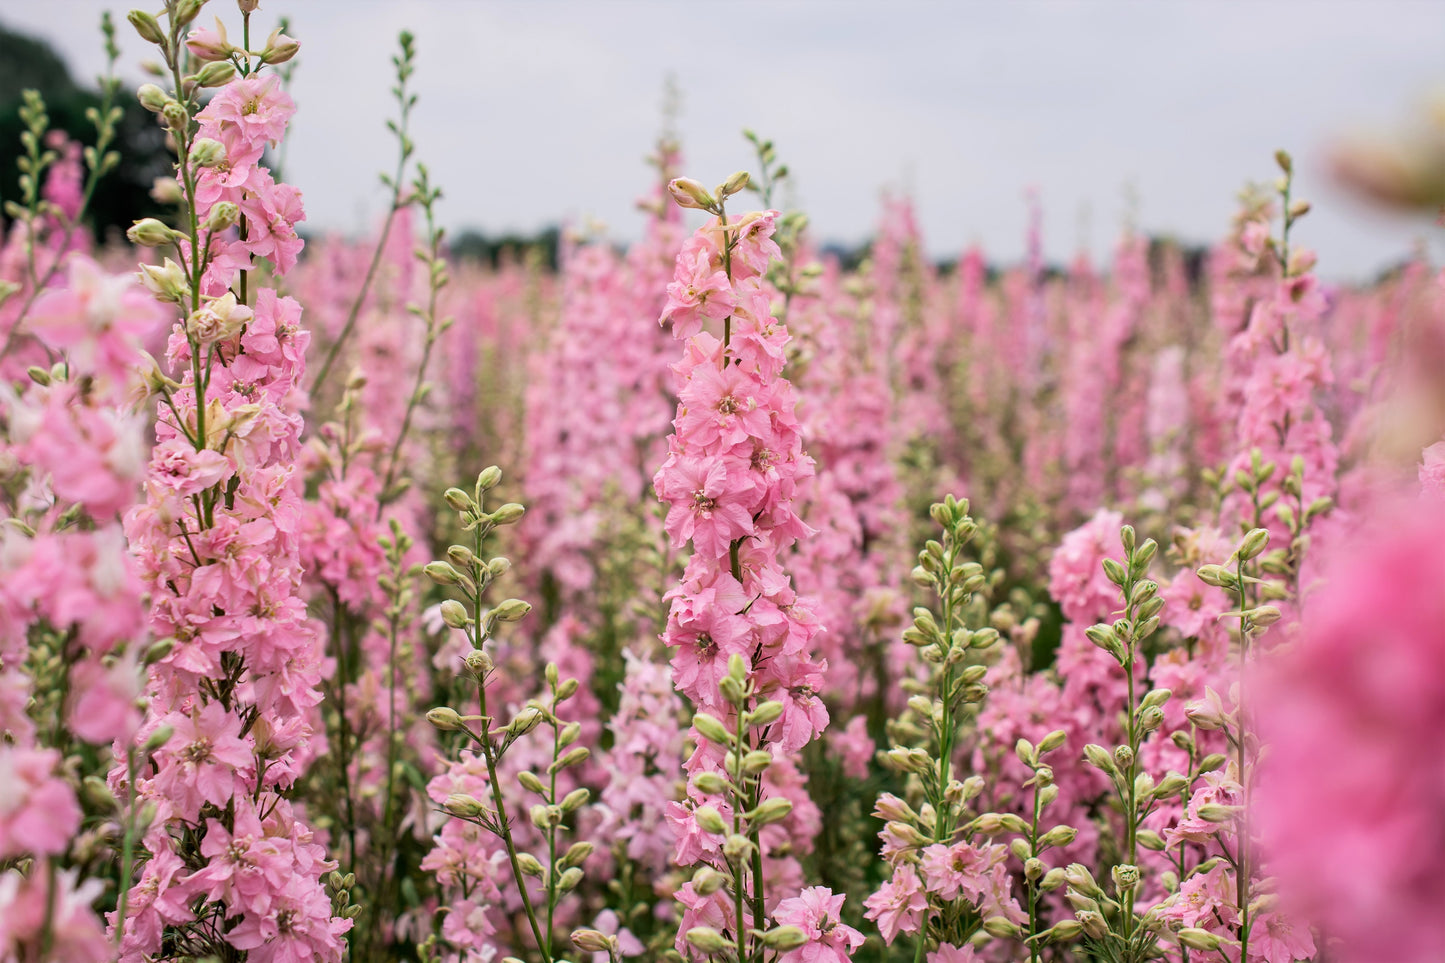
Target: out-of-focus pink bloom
1350,799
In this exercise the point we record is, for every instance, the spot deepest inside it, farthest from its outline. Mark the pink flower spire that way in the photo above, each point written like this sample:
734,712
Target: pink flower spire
233,703
743,636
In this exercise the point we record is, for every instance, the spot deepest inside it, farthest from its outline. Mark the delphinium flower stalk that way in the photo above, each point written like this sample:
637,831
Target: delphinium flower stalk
73,639
1114,923
231,867
742,635
558,871
948,887
404,62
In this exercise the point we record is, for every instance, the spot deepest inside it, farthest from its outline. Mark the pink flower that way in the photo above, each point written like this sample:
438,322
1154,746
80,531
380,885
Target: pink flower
960,868
255,106
818,913
38,811
704,508
899,905
699,290
1350,795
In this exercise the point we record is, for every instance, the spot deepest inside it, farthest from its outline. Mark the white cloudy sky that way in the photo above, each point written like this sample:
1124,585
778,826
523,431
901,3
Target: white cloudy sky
536,112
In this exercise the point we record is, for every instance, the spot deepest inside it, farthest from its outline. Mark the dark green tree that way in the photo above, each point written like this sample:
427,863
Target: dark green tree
124,193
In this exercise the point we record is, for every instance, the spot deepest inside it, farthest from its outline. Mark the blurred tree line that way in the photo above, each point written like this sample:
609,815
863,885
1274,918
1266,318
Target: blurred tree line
124,193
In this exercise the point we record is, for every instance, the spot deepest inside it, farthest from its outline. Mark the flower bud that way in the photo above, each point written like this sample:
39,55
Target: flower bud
454,614
166,190
707,881
444,718
734,184
442,573
459,500
688,193
1058,836
1064,930
1216,575
574,757
166,281
216,74
785,938
1150,840
146,26
1093,924
463,805
707,939
771,810
711,729
1216,813
175,115
1253,543
765,714
756,761
593,941
512,610
575,800
524,722
710,783
577,853
158,651
279,48
1198,939
508,514
529,865
478,662
224,215
1002,928
545,817
152,98
570,879
489,478
1052,741
1099,758
710,820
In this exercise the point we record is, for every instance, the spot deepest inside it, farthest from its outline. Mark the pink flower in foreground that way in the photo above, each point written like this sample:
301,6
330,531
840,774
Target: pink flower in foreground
38,811
818,913
1351,798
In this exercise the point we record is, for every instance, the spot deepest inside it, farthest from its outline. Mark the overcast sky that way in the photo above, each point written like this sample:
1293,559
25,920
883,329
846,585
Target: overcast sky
532,113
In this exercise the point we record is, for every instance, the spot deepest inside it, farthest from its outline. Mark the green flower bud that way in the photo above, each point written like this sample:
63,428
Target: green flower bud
444,718
784,938
707,939
152,98
224,215
147,26
463,805
512,610
577,854
688,193
508,514
593,941
769,811
575,800
442,573
711,729
454,614
710,820
489,478
459,500
216,73
150,232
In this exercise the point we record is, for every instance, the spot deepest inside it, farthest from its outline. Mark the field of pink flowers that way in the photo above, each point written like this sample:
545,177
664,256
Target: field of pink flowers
720,664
